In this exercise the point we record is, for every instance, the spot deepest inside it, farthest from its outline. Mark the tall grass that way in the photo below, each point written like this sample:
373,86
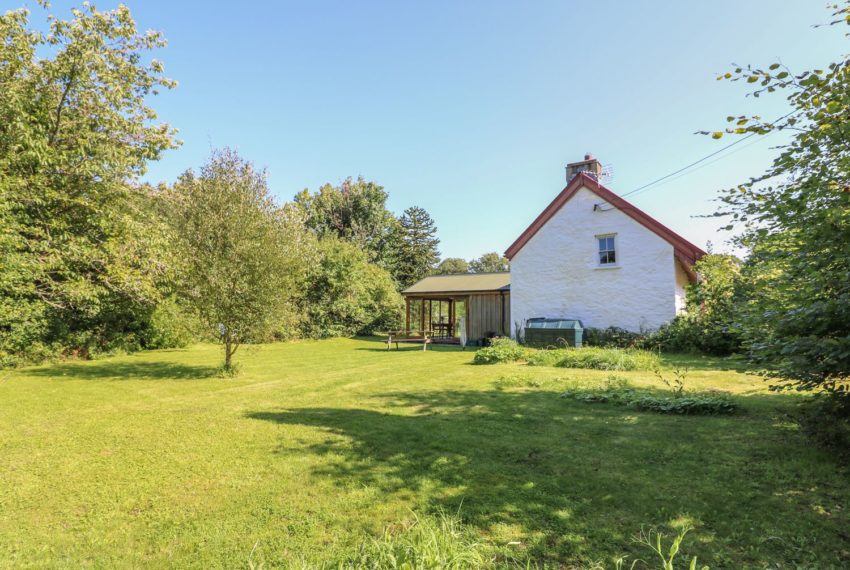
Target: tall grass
614,359
443,542
424,543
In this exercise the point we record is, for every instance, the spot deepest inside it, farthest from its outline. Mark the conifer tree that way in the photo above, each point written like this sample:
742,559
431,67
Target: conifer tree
415,247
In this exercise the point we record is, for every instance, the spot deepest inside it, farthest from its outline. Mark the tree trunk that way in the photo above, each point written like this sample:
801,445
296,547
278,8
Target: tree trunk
229,348
228,354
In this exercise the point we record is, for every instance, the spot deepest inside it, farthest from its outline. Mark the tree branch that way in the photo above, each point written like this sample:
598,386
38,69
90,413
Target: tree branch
62,101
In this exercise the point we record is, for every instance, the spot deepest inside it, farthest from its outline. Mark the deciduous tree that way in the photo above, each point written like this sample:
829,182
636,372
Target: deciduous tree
795,219
490,263
75,135
243,257
354,211
453,265
347,295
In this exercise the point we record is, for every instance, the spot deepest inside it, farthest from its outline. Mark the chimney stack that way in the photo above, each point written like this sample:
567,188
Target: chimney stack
589,165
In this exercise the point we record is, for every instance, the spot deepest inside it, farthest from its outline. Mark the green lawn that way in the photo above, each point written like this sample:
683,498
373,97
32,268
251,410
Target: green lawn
150,460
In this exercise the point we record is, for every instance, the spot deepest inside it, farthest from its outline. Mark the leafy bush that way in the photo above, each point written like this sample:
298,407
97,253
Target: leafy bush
697,334
347,295
596,358
169,326
500,350
612,337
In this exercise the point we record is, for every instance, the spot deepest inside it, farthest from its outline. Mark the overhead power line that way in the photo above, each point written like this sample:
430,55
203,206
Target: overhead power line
701,160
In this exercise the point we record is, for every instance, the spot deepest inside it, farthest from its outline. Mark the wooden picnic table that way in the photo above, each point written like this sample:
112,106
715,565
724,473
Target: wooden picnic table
409,336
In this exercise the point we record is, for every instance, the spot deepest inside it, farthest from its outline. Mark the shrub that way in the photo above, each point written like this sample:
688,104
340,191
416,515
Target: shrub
694,333
500,350
614,359
169,326
612,337
347,295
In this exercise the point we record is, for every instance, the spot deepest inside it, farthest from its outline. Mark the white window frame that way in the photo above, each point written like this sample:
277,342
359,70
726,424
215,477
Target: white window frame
598,251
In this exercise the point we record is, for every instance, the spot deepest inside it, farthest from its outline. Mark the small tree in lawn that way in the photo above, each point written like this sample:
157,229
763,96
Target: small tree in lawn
415,246
241,254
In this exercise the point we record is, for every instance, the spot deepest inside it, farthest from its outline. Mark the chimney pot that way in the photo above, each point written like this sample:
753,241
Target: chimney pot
589,165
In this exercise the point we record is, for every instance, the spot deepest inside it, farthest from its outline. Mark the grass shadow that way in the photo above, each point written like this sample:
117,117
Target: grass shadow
110,370
567,478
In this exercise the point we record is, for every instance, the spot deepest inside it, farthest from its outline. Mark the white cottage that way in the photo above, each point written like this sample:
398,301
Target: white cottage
593,256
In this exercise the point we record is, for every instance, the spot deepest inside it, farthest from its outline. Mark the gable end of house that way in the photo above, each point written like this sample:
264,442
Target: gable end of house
685,252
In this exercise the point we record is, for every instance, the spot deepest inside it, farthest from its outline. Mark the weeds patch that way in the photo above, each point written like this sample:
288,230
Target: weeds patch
521,381
615,359
679,402
501,350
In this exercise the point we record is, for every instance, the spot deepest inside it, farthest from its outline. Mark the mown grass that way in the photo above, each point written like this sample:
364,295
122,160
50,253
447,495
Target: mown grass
316,448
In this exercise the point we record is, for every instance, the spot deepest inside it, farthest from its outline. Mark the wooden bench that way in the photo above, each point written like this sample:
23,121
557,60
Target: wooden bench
409,336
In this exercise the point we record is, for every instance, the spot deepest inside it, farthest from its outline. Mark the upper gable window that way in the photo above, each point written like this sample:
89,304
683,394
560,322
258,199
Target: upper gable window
607,249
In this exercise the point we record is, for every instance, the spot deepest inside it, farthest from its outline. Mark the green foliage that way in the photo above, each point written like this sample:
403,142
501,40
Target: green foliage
170,326
615,359
81,266
415,252
711,324
242,258
676,382
490,263
666,556
452,265
347,295
612,337
500,350
795,221
356,212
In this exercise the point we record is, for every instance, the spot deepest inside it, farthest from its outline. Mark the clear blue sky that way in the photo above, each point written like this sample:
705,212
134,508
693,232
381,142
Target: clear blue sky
471,109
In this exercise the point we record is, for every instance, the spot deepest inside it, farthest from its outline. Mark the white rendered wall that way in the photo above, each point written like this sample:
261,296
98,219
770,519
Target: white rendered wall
556,273
681,282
